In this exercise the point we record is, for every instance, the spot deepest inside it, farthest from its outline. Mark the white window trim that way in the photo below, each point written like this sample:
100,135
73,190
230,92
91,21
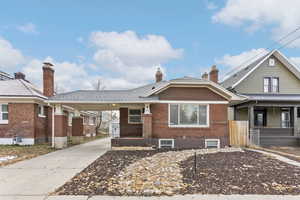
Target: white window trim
129,122
43,111
168,139
212,140
270,86
91,121
188,126
3,121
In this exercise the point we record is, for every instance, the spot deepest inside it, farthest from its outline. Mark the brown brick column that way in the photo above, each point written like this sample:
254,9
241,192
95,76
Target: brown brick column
60,128
77,126
147,125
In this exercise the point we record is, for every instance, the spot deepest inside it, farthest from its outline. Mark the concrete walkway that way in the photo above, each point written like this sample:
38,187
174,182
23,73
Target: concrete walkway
42,175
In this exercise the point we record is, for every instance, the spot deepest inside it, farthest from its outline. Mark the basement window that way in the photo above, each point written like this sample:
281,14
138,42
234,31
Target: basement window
166,143
41,111
134,116
212,143
3,113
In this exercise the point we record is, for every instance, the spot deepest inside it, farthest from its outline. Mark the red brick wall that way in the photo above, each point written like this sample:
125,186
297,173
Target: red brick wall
129,130
20,121
40,125
190,94
217,120
61,124
77,126
24,122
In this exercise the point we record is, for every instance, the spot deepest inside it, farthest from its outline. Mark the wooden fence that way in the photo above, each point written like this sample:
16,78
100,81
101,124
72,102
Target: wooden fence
238,133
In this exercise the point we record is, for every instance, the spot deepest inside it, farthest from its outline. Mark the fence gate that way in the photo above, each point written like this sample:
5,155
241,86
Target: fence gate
238,133
254,137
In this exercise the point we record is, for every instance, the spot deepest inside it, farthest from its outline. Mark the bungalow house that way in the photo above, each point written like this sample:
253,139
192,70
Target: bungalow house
271,86
26,117
182,113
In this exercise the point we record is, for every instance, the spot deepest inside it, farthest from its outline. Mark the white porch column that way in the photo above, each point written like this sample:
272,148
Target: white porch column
147,122
295,121
60,128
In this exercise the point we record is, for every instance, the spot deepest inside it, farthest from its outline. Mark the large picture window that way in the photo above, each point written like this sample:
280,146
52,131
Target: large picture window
134,116
3,113
189,115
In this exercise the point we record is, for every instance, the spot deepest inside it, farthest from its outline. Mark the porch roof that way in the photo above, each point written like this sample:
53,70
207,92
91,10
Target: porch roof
272,97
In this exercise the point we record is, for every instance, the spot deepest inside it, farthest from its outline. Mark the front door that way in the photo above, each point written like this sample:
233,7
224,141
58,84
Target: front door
260,118
285,118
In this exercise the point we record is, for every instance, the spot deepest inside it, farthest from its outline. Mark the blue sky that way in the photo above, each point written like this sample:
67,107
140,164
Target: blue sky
122,42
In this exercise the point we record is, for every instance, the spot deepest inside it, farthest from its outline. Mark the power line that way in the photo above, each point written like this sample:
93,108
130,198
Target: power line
268,48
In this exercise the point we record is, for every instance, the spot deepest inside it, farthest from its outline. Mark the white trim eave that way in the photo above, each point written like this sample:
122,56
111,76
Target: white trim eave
16,99
254,68
201,84
137,102
291,66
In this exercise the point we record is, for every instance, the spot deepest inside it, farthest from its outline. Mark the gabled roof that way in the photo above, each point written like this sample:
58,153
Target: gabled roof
147,93
236,78
19,88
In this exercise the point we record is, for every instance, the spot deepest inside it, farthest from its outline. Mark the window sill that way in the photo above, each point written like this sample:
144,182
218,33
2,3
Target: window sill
188,126
43,116
134,122
3,121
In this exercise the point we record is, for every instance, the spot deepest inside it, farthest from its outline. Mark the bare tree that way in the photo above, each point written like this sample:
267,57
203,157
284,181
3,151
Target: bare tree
98,86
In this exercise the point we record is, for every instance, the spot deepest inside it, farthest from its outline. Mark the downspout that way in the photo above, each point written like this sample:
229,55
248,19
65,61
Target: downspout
53,138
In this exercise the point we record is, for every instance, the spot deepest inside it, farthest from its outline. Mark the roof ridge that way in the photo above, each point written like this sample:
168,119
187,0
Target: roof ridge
26,86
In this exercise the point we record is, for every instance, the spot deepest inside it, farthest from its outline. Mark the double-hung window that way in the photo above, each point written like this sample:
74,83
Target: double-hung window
3,113
271,84
188,115
134,116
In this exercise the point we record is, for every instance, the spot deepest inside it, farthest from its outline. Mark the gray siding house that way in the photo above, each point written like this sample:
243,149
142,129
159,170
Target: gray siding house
271,85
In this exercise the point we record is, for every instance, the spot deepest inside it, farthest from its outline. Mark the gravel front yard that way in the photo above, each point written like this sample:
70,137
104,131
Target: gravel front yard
148,173
240,173
14,153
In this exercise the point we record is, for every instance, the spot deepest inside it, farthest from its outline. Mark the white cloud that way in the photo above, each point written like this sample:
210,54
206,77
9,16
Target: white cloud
129,60
28,28
135,57
211,5
243,58
283,16
10,57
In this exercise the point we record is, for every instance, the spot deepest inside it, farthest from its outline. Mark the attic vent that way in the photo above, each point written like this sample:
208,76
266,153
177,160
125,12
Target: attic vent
246,68
234,75
271,62
153,88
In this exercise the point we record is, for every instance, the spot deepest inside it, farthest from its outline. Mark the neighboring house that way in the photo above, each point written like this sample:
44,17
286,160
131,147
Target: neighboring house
271,85
181,113
25,116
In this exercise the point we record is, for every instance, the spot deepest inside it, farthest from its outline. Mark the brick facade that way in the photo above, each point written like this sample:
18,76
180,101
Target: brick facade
24,122
193,137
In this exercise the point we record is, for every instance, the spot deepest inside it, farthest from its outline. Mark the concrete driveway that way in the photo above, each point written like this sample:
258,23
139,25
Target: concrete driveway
42,175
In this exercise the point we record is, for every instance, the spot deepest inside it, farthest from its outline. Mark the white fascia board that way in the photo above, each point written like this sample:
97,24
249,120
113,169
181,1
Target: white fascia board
153,101
254,68
294,70
16,99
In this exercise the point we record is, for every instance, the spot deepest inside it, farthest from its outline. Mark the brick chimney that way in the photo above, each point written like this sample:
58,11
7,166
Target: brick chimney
204,76
214,74
48,79
158,75
20,75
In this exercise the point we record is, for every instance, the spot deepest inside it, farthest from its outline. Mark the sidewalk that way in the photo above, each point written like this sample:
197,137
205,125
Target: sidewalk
41,175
